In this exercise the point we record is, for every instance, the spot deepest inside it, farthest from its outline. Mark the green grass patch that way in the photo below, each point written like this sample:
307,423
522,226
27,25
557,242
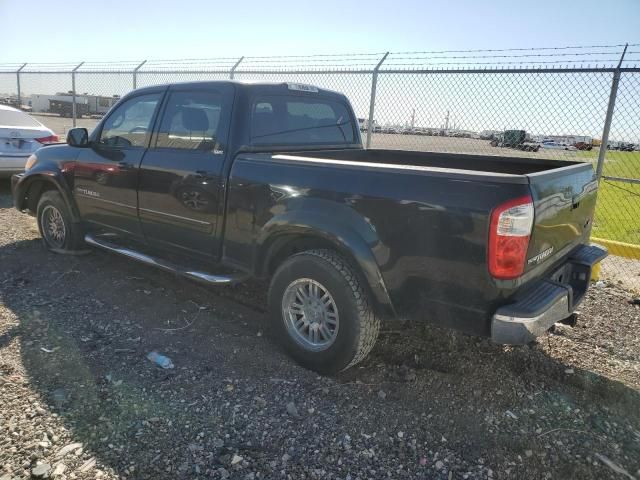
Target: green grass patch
618,209
618,212
616,164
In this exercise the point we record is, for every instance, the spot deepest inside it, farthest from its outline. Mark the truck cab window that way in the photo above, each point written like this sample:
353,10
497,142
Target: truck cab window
191,122
283,120
130,123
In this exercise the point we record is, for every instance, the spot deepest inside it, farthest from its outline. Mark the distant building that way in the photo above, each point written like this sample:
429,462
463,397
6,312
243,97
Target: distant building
363,123
95,104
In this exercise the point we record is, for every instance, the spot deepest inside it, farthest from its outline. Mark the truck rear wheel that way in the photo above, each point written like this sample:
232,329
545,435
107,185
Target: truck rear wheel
59,233
321,313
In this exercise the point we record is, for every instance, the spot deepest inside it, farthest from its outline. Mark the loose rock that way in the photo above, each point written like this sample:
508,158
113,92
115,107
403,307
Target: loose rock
292,410
41,471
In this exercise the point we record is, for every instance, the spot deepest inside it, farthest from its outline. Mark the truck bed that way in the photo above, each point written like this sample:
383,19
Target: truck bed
424,216
563,191
454,161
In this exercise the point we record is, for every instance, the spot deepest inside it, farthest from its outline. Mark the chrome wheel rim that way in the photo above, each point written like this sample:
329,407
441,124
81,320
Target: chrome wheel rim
310,314
53,227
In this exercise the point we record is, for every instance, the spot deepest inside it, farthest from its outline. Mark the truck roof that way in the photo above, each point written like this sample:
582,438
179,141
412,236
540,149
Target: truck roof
264,87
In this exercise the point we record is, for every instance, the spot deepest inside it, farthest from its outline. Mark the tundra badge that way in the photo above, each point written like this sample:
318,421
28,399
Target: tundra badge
87,192
541,256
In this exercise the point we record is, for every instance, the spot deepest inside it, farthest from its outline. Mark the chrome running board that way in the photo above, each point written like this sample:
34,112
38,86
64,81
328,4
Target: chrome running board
164,265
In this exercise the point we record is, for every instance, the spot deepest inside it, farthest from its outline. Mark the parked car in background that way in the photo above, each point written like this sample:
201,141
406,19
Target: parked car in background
10,102
621,146
20,136
488,134
626,147
583,146
557,146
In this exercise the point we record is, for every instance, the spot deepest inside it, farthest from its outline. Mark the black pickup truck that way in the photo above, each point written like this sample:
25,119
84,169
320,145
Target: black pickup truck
222,181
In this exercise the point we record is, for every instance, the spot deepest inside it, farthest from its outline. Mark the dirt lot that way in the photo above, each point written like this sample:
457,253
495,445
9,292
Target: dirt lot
79,399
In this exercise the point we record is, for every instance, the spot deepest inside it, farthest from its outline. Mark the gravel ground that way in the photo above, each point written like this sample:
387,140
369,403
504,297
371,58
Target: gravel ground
78,398
623,271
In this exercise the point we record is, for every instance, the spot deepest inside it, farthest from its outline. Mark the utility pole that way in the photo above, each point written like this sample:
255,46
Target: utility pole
446,121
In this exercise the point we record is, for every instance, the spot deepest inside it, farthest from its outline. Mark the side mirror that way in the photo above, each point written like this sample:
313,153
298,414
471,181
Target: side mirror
78,137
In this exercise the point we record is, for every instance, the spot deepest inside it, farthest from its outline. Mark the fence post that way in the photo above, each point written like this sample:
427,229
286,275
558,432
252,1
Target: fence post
18,85
135,74
372,102
609,117
73,92
233,69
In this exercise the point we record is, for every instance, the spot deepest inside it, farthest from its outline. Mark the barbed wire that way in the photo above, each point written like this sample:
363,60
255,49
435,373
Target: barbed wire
583,54
530,55
522,49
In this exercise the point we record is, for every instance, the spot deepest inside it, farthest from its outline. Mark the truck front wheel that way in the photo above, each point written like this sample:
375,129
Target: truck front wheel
59,233
321,313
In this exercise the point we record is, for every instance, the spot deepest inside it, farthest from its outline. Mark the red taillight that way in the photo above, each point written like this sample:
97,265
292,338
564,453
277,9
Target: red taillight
509,233
49,139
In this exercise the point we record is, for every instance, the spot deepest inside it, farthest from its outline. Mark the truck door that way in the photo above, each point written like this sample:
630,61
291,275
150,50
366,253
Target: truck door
106,173
181,187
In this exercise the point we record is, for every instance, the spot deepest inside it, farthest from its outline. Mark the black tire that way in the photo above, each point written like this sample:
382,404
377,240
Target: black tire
72,240
358,325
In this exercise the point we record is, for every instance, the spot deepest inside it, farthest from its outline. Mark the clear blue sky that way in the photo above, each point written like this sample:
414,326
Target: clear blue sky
34,30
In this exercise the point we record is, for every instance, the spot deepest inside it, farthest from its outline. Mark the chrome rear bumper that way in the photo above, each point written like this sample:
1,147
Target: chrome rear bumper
550,301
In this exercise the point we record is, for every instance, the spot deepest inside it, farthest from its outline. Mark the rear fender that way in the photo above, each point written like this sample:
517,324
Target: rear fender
355,238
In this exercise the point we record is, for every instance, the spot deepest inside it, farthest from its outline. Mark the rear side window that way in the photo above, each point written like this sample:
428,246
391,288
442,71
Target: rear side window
12,118
288,120
191,121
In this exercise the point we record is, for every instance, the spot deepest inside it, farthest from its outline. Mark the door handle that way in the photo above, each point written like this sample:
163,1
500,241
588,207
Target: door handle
124,165
202,174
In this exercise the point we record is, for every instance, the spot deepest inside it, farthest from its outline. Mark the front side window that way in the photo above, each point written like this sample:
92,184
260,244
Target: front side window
191,121
284,120
130,124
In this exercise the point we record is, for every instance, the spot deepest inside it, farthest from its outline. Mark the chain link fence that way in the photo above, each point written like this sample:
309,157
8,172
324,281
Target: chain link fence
568,103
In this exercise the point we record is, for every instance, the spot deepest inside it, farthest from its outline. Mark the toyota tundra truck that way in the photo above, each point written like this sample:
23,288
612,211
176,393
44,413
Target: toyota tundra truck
225,181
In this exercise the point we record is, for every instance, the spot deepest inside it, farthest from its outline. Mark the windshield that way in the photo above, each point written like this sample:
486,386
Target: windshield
13,118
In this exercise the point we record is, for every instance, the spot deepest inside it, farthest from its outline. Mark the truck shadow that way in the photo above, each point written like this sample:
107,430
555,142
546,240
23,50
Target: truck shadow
83,326
6,201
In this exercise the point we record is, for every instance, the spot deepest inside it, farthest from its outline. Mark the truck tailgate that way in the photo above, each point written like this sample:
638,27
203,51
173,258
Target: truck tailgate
564,200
